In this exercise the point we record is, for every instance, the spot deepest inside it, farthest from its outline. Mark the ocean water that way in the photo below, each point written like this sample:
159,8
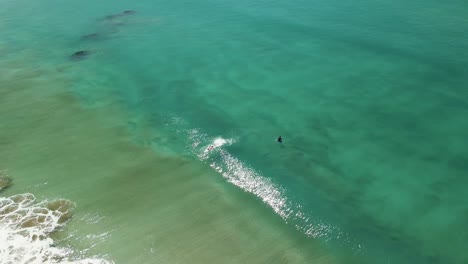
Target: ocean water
158,145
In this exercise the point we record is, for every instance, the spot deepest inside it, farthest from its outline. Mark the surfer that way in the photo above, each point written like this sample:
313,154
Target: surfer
279,139
210,148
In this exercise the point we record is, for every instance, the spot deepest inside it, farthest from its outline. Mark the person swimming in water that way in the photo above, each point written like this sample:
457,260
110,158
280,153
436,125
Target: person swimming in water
279,139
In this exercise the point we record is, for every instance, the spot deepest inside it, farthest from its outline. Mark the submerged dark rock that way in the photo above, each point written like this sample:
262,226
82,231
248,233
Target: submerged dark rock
80,55
110,17
5,182
114,16
92,36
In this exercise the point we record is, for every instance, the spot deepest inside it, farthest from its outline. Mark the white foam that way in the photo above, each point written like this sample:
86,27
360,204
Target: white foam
249,180
219,142
274,196
212,151
236,172
215,144
25,228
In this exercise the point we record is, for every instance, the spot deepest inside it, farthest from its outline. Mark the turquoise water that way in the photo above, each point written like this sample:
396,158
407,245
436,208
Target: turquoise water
369,97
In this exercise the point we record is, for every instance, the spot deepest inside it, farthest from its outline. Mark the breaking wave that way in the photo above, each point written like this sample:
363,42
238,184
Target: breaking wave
212,150
25,229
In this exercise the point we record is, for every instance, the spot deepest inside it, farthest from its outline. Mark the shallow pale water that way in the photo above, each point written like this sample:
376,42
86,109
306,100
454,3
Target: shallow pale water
369,97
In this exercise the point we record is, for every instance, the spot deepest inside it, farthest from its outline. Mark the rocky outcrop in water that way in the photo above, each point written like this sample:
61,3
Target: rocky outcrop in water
92,36
79,55
124,13
109,25
5,181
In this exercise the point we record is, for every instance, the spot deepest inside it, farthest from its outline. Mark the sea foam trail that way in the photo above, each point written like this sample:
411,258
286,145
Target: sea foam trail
25,228
212,150
271,193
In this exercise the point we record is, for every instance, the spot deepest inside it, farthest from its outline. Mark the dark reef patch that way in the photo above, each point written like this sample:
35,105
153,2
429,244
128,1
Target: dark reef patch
79,55
92,36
